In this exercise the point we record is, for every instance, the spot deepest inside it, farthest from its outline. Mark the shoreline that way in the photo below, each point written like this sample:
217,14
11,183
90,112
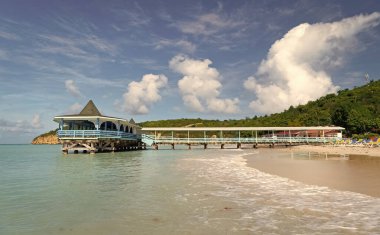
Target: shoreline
336,150
359,172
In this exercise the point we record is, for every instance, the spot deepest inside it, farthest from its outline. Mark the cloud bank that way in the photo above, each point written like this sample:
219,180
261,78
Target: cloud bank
141,95
200,86
21,126
294,71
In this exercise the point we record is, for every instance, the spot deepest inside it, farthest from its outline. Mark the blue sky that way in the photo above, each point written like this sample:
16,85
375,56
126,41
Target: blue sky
155,60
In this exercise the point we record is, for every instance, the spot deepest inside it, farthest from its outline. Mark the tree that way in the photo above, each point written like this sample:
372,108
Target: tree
339,116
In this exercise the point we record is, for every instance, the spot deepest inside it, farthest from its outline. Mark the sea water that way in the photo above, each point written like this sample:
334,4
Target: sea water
167,192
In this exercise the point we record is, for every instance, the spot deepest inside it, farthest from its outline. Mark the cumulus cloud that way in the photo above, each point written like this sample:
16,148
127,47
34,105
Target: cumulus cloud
75,108
141,95
72,88
295,70
200,86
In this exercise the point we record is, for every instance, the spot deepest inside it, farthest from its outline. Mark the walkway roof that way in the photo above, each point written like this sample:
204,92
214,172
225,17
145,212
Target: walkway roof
297,128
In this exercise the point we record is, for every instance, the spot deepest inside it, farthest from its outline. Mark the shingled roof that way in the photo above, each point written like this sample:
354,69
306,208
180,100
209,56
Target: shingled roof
90,110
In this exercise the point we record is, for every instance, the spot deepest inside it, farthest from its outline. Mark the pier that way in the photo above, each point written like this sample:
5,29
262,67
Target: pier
91,132
237,136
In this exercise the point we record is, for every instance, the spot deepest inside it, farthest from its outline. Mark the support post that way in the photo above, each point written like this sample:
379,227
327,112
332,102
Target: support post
323,135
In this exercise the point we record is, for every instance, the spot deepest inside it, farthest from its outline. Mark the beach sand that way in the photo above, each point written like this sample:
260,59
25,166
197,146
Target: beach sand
341,168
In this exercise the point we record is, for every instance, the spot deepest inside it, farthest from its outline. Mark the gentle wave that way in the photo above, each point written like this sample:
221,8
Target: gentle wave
268,203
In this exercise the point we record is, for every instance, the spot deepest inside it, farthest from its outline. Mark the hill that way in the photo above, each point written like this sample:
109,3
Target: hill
46,138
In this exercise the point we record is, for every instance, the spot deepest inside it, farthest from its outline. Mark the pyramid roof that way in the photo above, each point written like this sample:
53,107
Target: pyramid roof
90,110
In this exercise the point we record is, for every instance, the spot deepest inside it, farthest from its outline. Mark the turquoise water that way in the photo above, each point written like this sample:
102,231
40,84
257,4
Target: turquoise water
167,192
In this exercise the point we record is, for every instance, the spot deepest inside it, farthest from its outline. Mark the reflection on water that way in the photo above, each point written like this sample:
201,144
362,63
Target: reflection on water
177,192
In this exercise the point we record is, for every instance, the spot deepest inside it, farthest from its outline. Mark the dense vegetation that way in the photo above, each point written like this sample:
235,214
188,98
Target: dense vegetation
357,110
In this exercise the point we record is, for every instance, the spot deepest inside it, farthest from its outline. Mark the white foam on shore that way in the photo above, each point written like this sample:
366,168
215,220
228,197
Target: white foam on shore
267,203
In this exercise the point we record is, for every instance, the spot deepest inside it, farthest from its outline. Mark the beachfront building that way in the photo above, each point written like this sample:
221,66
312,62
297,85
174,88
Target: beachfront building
254,136
90,131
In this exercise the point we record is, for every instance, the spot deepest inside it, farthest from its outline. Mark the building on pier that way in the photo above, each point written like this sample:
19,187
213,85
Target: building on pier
90,131
255,136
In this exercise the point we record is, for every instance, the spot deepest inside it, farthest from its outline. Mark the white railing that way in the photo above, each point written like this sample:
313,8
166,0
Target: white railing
205,140
96,134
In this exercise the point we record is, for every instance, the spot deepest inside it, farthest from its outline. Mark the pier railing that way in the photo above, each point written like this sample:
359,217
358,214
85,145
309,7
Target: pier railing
96,134
205,140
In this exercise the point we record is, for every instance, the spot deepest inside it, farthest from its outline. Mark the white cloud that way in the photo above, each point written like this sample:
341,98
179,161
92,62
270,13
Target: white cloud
200,86
36,121
294,71
141,95
21,126
75,108
9,36
72,88
184,45
208,24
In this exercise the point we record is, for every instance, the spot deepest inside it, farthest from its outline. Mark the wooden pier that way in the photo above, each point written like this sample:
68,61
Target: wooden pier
91,132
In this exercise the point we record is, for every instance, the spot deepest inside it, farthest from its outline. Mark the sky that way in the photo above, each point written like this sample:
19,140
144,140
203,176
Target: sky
152,60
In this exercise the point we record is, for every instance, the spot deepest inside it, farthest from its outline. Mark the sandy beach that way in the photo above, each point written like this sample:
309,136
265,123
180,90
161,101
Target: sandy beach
341,150
358,171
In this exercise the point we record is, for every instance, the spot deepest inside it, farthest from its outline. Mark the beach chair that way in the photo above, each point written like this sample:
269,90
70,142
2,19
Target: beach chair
368,143
377,142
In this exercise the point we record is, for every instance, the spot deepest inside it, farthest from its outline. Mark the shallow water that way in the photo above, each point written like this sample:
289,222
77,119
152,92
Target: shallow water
167,192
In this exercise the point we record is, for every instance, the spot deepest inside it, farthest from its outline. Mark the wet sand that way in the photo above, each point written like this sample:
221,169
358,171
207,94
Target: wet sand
355,173
329,149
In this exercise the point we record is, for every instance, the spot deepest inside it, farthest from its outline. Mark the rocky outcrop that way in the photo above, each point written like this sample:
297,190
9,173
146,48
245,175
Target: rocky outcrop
46,139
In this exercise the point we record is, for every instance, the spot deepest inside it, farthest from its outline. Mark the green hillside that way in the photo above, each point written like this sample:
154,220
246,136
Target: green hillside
357,110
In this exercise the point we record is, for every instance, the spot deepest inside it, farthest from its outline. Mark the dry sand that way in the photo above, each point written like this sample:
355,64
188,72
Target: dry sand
329,149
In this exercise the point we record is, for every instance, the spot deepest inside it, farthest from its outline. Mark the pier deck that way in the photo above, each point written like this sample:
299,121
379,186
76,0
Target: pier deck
254,136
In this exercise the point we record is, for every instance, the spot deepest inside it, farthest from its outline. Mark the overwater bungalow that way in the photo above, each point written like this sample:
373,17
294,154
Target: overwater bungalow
90,131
